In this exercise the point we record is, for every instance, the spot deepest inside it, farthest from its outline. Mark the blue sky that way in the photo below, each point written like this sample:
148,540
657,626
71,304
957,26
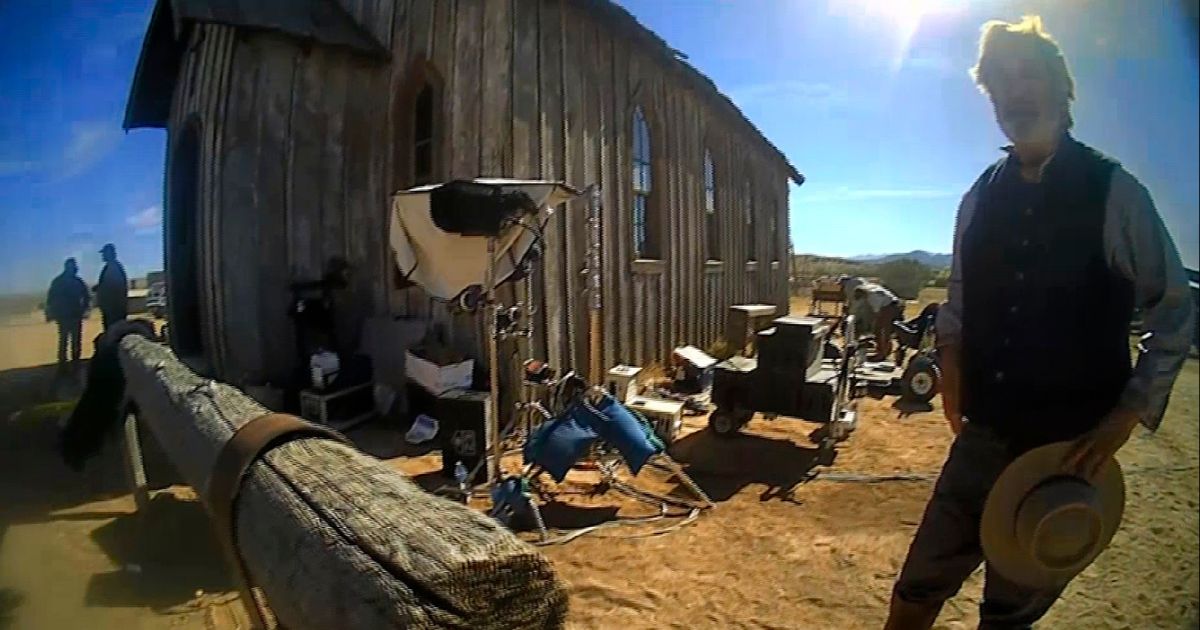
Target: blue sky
869,99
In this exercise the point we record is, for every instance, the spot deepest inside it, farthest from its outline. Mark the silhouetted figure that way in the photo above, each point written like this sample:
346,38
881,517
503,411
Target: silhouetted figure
67,303
112,290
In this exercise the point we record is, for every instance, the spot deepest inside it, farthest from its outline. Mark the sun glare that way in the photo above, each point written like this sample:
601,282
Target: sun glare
901,17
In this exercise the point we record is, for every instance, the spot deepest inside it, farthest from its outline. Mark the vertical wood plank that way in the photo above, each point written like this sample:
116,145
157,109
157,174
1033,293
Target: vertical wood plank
212,307
309,126
602,63
661,286
681,294
238,254
551,148
201,95
277,344
640,332
439,39
524,81
364,198
622,145
496,128
333,211
575,224
522,88
386,162
466,117
467,90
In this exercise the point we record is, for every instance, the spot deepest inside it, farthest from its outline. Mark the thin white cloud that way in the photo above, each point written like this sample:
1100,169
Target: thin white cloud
91,142
145,221
845,193
794,92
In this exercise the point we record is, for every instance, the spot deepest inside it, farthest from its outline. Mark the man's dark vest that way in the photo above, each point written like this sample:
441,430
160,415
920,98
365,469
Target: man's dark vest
1045,351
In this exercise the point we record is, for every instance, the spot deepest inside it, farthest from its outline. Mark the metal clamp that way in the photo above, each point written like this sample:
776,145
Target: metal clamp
249,442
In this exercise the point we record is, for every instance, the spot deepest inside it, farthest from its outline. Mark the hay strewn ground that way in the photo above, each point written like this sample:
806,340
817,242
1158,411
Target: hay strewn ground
822,556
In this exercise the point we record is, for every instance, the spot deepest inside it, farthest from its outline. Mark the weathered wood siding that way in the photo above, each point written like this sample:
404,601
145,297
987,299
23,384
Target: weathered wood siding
304,159
201,98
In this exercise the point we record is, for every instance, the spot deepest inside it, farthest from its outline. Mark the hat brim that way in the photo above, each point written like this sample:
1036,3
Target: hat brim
997,530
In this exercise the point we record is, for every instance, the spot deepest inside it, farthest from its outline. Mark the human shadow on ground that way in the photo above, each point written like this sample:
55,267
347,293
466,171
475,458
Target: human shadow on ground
165,554
431,481
383,438
723,467
559,515
910,407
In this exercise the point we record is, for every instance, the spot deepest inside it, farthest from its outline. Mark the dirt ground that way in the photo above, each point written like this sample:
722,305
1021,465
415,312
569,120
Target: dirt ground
779,551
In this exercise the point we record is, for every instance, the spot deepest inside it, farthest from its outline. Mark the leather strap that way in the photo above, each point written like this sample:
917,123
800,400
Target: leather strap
249,442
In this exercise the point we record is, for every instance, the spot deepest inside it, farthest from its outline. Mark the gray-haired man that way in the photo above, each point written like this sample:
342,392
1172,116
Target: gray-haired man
1055,246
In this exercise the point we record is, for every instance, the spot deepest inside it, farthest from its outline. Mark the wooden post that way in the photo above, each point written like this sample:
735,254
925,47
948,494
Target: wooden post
134,464
335,538
492,344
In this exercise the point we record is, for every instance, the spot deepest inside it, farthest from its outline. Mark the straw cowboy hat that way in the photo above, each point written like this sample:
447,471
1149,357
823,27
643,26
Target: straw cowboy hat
1040,527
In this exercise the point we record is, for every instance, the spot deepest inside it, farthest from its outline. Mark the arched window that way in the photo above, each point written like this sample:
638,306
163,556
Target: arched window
711,234
423,134
642,243
418,127
417,145
751,226
183,242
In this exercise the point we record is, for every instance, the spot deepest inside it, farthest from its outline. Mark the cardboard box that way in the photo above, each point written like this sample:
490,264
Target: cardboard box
665,415
438,379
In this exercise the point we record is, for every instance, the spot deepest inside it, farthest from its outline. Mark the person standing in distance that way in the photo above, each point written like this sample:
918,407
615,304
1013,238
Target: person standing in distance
112,289
67,303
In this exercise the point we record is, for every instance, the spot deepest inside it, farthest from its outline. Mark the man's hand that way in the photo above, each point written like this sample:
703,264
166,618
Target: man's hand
1089,453
951,379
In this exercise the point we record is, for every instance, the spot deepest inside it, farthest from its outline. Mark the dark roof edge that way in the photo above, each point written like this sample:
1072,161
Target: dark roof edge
166,36
610,10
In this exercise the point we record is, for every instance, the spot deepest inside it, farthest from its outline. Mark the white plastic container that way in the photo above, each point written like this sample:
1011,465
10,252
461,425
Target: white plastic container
323,367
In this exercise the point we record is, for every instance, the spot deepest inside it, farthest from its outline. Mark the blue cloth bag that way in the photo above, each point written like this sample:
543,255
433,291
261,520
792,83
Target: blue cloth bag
632,436
558,444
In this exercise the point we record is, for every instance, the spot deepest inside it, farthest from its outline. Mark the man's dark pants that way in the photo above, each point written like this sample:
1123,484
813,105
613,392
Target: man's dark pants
70,331
111,317
946,549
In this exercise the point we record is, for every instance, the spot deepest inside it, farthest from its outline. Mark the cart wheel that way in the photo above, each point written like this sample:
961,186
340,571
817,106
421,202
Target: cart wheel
724,422
921,380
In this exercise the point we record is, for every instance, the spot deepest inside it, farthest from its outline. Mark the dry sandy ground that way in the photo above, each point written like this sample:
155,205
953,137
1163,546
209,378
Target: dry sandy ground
776,553
28,340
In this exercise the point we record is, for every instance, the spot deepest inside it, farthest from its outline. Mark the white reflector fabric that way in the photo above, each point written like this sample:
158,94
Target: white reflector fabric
444,263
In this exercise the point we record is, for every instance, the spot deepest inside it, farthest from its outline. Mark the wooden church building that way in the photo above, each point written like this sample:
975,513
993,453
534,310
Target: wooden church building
289,125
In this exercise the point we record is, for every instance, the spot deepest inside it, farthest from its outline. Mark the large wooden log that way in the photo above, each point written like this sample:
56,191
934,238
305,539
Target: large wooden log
335,538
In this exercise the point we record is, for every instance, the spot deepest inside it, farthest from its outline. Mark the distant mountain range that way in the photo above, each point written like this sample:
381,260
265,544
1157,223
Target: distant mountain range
929,259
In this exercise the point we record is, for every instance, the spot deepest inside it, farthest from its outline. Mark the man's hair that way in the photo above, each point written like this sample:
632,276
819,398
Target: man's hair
998,38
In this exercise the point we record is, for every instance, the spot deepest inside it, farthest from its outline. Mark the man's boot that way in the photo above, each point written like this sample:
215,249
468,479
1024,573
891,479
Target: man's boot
908,616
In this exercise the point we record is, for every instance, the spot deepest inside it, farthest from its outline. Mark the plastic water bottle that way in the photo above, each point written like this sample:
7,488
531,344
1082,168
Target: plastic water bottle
460,476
